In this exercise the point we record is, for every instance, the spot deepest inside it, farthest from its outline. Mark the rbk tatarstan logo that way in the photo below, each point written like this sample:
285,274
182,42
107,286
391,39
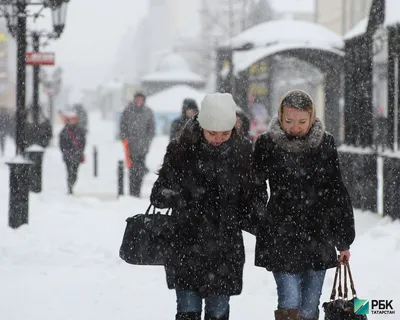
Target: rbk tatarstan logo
361,306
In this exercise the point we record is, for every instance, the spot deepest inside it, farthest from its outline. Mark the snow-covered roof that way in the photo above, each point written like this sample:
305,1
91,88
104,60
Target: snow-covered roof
392,16
244,59
173,68
172,61
358,29
170,100
301,6
287,31
178,76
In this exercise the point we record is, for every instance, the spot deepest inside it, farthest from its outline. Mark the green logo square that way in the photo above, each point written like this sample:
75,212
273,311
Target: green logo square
361,306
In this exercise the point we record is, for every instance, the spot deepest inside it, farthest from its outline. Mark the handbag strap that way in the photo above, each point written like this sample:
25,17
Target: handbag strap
353,290
340,292
346,291
74,140
148,209
333,294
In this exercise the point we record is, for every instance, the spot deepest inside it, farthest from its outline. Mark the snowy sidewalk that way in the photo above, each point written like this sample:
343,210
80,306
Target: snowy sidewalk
64,265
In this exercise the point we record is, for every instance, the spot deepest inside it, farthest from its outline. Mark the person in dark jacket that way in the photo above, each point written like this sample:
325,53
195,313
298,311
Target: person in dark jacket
189,109
39,133
205,179
309,215
137,130
72,144
83,116
243,123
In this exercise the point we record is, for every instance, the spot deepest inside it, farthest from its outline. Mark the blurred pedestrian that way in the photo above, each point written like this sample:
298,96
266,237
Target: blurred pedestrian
72,144
189,109
137,130
83,116
243,123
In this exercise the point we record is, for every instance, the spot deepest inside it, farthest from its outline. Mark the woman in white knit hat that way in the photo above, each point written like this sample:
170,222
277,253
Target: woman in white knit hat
205,179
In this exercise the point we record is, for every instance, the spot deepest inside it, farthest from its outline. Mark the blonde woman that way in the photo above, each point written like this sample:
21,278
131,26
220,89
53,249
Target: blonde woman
309,215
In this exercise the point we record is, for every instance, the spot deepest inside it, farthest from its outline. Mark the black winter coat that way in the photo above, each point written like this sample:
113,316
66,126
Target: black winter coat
309,212
211,188
72,143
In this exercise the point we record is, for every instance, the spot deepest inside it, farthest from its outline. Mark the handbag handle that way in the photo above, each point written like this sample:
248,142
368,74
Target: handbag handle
346,291
154,210
340,294
353,289
339,272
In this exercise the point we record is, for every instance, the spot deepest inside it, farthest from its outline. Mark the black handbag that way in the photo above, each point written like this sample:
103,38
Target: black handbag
342,308
147,238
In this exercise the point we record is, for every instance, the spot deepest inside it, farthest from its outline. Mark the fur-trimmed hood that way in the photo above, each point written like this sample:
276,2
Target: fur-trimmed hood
312,140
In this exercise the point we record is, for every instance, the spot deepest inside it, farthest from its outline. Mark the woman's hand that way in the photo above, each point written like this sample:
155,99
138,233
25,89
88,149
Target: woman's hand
344,256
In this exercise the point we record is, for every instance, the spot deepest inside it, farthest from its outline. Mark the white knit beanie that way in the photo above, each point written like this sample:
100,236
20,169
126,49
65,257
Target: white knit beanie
217,112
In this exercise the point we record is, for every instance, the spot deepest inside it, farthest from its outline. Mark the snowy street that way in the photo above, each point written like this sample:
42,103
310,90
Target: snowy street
64,265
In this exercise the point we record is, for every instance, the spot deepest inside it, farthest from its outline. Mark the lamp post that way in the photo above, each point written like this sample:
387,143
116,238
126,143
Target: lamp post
58,24
15,11
36,70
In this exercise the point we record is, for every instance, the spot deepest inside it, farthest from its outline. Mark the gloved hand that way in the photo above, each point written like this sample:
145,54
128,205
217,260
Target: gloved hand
173,198
128,161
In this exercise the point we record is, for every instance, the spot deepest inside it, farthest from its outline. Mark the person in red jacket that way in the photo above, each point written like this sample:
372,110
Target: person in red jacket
72,144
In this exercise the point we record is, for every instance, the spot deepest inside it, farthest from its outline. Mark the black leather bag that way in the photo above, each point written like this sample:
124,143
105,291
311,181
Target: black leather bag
146,240
342,308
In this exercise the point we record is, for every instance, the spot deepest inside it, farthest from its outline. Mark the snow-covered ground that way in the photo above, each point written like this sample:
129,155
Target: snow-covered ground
64,265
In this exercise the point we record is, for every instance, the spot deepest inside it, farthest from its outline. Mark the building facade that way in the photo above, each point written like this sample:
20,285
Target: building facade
341,16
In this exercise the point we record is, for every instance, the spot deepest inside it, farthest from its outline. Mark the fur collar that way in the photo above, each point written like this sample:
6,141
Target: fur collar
312,140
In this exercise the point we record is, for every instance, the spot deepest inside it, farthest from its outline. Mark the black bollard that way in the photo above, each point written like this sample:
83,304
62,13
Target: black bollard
19,192
120,178
95,172
35,154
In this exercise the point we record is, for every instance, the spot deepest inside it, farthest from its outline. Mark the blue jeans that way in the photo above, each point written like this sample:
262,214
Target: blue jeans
190,301
300,290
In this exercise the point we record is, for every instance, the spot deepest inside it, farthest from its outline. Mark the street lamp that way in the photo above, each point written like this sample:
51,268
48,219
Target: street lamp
12,20
15,11
54,4
59,16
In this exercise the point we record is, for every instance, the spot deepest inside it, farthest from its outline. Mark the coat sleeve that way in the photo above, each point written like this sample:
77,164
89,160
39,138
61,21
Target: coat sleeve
261,167
83,139
248,221
166,191
342,214
63,141
123,124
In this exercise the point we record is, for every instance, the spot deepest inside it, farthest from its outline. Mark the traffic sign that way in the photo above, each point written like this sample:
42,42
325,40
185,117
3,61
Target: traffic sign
40,58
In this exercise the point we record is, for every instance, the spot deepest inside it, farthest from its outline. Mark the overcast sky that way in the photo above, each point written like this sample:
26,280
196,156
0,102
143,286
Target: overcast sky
87,48
94,29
